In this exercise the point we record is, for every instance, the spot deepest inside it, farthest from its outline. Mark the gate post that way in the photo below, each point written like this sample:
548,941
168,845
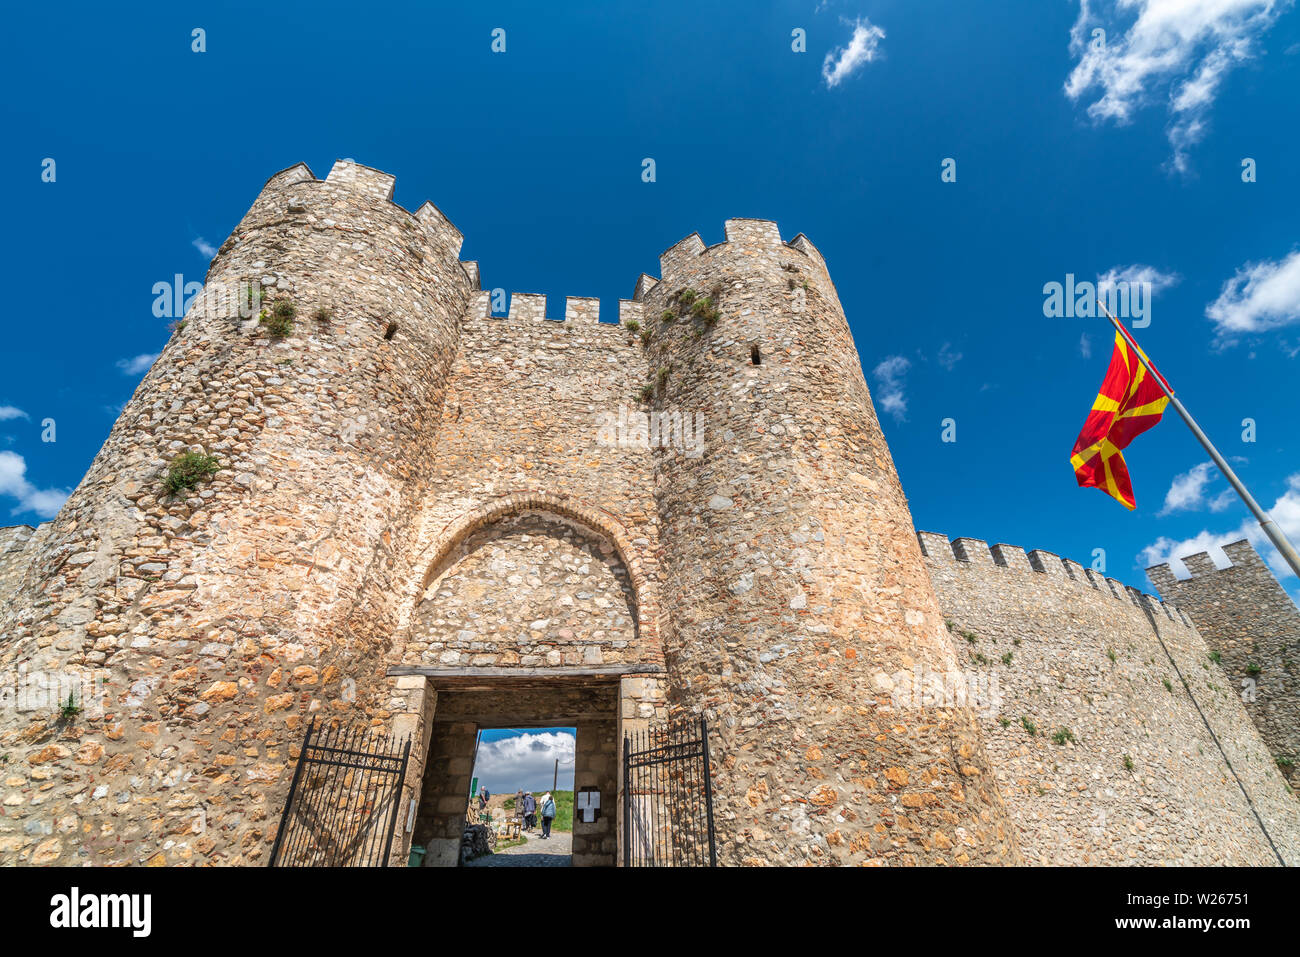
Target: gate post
415,722
627,801
708,790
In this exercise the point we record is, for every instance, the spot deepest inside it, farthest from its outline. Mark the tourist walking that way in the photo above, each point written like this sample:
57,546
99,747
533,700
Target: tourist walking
548,814
530,811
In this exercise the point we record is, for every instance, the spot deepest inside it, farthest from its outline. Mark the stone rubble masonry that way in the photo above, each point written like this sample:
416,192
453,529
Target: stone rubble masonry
1250,620
427,520
792,577
18,544
218,620
1095,737
528,591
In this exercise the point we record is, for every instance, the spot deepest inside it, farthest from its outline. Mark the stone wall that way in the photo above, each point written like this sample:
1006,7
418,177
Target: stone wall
521,432
1250,620
13,557
528,591
1105,717
598,758
211,622
792,575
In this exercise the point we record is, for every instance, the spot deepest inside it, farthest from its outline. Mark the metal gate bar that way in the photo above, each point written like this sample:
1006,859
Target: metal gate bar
342,805
668,797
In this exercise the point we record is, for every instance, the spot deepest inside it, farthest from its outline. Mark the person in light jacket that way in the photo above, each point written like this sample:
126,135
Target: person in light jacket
548,814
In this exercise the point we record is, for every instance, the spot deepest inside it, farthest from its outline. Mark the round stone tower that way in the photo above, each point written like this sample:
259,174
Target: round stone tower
799,614
196,630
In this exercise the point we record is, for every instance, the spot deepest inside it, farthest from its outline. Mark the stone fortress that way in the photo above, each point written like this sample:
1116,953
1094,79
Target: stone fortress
428,519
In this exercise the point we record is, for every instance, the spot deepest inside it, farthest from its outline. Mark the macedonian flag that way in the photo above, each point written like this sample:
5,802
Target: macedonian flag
1129,403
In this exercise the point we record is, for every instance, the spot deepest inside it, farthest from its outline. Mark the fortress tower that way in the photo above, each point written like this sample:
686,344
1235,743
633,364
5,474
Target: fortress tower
1252,624
794,586
200,629
429,521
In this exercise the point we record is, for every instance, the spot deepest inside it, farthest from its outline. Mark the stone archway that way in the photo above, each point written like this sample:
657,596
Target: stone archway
530,589
597,521
531,613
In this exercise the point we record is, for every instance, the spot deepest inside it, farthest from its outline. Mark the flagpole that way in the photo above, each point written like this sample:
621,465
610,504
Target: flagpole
1274,533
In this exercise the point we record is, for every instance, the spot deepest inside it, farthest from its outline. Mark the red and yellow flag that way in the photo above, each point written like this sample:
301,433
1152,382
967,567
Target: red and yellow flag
1129,403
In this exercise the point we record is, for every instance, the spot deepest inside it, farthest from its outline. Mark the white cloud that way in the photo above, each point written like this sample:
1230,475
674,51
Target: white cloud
206,248
843,62
1261,296
13,482
138,364
1134,274
9,412
1173,51
947,357
1187,493
889,376
1285,512
1085,346
525,761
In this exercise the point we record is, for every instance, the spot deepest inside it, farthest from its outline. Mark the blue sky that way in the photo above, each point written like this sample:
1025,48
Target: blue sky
510,759
1070,159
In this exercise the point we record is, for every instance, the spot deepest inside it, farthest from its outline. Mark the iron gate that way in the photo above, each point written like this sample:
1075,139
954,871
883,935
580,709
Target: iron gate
668,797
342,804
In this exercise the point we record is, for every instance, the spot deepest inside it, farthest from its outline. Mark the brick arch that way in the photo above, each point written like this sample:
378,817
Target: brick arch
596,521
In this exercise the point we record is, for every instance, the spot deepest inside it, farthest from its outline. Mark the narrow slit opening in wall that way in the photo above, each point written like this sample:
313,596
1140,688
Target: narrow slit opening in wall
390,330
755,355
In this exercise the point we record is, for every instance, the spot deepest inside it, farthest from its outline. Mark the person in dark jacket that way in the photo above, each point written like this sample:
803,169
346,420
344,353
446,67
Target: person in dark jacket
530,811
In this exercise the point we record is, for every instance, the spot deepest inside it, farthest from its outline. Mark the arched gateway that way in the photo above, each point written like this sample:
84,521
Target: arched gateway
531,614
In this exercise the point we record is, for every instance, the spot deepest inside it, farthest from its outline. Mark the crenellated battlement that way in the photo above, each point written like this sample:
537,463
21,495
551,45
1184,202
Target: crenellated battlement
1253,625
1107,704
578,310
1017,561
747,236
1201,565
376,186
743,235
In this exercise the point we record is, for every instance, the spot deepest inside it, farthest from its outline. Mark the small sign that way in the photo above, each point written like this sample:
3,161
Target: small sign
587,804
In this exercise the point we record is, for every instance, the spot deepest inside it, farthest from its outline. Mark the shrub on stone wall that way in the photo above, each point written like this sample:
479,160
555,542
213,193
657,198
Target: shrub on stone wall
278,320
186,470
